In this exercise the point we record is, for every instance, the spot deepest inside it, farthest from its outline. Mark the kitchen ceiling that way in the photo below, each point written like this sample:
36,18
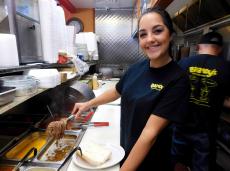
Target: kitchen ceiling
105,4
201,12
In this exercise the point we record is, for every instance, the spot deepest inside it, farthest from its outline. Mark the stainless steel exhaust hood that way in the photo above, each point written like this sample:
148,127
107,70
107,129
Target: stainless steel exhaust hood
200,13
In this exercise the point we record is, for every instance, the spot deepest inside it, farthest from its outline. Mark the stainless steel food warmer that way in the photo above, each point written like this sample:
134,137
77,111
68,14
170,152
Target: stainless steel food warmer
22,128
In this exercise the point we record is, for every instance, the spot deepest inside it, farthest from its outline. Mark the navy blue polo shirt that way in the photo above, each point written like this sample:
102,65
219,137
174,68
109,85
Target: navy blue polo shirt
144,91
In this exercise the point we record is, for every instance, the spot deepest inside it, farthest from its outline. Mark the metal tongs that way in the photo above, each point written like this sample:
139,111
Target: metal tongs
69,156
26,158
70,117
86,117
89,124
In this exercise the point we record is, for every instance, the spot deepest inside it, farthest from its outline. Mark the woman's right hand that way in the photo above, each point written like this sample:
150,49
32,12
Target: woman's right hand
79,108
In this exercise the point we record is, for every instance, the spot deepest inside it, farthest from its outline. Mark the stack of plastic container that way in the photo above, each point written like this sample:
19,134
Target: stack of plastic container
47,78
25,85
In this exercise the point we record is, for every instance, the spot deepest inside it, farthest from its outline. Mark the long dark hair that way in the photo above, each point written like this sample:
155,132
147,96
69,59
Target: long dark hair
166,20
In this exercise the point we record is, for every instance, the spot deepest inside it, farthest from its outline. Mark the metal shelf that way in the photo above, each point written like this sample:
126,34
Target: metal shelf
223,157
224,147
21,99
18,100
21,68
226,117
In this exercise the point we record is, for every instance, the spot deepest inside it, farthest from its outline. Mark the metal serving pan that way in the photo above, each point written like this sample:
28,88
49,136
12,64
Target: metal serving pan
40,169
6,167
57,150
35,139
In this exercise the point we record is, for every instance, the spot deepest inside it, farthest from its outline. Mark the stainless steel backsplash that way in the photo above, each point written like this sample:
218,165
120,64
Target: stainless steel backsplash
117,49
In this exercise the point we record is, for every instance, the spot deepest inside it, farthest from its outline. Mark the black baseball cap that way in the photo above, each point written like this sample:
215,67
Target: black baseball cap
211,38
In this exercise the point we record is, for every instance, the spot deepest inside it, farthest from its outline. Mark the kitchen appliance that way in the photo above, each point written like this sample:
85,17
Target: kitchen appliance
28,31
33,140
26,158
24,125
21,18
29,39
63,100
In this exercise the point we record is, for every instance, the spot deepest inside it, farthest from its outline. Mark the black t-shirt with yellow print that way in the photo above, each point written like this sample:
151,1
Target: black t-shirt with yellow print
210,83
144,91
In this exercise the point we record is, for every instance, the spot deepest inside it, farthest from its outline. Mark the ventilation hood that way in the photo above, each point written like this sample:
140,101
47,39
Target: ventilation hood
103,3
199,12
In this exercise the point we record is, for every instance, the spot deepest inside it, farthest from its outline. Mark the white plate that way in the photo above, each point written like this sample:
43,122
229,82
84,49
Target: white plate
118,154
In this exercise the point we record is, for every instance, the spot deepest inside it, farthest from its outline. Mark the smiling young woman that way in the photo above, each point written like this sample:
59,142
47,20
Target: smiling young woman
154,38
153,94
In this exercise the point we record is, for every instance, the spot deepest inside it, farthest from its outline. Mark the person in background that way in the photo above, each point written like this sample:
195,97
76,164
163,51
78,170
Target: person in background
153,94
227,102
194,143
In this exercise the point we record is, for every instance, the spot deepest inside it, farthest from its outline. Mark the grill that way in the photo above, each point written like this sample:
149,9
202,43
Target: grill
27,122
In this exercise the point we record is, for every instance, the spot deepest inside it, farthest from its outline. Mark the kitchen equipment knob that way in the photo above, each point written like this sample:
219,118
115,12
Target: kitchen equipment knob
32,27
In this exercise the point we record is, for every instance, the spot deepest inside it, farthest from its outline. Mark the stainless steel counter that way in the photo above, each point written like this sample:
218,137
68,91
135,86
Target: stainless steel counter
111,134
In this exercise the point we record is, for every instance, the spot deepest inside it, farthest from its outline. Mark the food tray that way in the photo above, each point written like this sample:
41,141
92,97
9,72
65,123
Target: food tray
35,139
56,151
7,94
40,169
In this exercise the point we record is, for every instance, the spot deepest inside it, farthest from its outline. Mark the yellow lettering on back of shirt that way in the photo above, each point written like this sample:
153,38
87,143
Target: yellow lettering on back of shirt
204,72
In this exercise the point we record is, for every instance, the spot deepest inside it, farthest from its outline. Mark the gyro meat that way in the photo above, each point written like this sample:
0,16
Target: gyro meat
56,129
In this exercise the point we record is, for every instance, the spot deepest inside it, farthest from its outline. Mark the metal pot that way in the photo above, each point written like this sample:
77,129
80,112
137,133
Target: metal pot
106,72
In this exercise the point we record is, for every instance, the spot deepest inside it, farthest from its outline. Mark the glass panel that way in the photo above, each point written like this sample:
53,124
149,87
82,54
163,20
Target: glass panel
28,8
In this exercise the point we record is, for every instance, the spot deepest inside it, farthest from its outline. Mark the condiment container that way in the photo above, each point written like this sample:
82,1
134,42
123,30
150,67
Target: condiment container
95,82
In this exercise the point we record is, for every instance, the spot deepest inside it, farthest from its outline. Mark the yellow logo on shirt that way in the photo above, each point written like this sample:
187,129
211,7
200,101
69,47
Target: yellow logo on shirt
204,72
157,87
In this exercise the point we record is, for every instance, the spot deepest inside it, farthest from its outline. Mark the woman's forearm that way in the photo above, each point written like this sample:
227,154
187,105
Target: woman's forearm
144,143
138,153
